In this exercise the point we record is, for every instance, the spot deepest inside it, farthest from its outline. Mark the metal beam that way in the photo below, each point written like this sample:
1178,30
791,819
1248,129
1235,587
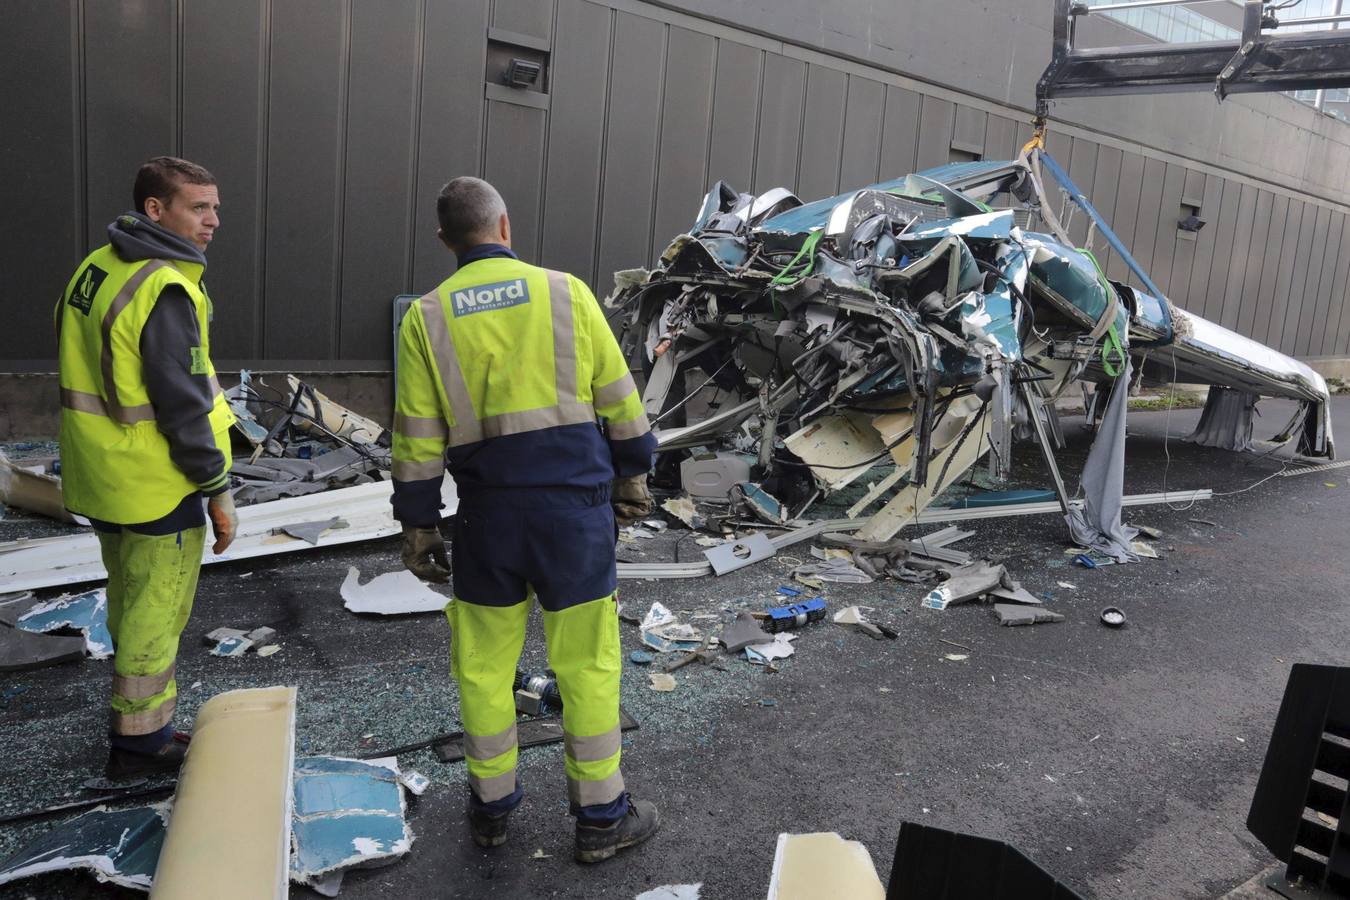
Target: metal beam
1261,61
1081,10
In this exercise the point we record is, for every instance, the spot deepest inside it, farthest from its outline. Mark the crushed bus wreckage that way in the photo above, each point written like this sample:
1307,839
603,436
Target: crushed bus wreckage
927,322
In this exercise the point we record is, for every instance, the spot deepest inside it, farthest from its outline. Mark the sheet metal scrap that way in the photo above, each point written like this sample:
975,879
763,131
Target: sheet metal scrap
925,322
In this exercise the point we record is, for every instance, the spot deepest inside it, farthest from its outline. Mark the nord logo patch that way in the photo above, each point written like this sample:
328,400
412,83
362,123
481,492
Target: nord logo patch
490,296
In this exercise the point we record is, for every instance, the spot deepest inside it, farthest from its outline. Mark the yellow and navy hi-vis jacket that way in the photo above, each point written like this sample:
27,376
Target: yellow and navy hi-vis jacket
509,376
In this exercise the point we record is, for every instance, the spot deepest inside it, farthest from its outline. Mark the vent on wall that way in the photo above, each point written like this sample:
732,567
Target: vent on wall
517,68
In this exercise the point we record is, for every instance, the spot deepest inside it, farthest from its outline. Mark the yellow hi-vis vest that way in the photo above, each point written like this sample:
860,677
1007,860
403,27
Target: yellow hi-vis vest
115,463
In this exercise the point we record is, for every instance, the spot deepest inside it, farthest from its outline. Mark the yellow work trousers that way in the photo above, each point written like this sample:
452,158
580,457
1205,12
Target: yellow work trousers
151,583
584,653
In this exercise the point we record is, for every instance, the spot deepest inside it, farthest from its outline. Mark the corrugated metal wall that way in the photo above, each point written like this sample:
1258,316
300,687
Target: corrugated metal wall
331,125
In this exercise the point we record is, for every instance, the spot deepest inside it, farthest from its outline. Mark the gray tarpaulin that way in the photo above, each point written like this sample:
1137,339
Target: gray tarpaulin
1097,523
1226,421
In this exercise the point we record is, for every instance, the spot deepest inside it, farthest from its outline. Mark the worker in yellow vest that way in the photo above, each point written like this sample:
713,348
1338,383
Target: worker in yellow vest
144,438
509,375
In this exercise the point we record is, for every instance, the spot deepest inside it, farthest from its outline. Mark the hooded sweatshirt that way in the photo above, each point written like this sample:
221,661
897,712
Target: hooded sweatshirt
182,400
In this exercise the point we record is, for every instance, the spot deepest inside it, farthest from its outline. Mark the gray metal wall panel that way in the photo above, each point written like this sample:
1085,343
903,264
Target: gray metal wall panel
1340,322
40,156
630,154
1313,217
1310,336
1165,244
530,17
379,177
1183,266
968,130
1221,263
1194,189
1126,212
131,102
999,138
1082,168
862,132
513,161
304,145
937,119
1298,327
822,132
1250,298
681,178
304,122
450,123
780,123
1238,257
1058,144
1102,193
731,155
1145,236
222,129
576,138
1264,296
1284,277
1203,248
899,132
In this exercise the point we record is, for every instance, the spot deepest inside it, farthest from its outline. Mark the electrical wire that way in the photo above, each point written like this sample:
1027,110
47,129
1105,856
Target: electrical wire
1167,435
691,395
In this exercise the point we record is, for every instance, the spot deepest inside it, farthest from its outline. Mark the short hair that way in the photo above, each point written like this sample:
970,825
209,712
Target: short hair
161,177
467,208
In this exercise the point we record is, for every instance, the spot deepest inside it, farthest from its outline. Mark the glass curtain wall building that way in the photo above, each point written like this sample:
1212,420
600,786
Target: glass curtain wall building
1185,25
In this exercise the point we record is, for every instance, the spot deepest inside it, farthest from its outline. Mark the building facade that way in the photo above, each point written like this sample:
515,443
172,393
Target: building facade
331,124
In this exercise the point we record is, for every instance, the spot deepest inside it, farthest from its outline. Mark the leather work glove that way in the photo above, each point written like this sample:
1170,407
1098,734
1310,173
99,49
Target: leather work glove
631,499
424,554
224,520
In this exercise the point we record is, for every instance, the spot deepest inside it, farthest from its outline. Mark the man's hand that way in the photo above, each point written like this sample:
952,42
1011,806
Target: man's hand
424,554
631,499
224,520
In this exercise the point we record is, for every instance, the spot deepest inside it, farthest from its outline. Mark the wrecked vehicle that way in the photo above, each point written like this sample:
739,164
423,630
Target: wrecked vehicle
926,322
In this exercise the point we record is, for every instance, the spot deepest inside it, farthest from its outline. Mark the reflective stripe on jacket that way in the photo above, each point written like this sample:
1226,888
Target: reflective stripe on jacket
116,464
522,357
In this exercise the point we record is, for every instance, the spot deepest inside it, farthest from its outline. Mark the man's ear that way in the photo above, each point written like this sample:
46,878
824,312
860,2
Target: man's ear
154,209
441,234
504,226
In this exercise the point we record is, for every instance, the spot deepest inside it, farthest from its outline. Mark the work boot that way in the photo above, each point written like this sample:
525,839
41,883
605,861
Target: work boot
488,831
124,764
596,844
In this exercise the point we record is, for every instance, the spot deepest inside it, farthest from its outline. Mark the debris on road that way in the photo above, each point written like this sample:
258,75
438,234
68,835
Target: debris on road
30,486
661,681
390,594
119,847
85,613
1016,614
237,642
822,865
1112,617
672,892
348,814
743,632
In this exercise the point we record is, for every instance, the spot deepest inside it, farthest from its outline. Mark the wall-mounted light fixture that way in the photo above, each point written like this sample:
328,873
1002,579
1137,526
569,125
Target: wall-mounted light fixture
1191,223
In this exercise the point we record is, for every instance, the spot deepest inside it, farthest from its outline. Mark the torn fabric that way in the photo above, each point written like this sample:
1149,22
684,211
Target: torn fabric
1096,524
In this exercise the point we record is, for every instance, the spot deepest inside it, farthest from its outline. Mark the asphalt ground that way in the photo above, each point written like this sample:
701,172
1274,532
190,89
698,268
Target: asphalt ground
1123,761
